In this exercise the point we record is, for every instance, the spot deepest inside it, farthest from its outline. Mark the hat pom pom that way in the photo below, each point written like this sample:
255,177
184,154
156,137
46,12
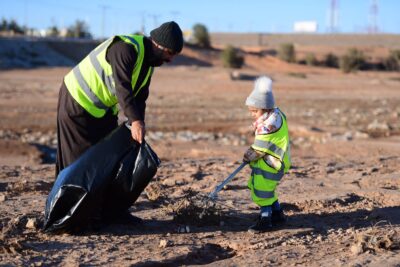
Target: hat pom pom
263,84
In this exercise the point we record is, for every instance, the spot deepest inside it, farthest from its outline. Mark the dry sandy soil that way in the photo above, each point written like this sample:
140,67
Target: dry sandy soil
341,197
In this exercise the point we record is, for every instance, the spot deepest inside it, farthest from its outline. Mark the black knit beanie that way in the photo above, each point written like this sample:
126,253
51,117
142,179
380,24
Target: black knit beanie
168,35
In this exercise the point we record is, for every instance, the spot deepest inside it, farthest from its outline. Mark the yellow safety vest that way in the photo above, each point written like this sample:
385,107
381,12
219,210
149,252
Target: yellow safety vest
91,82
264,178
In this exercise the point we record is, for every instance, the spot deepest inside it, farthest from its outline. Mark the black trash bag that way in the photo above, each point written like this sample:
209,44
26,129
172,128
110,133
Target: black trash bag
78,195
134,174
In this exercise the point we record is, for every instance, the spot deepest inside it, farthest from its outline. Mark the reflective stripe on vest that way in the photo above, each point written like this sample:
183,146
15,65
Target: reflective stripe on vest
270,146
268,175
91,82
85,87
264,194
276,143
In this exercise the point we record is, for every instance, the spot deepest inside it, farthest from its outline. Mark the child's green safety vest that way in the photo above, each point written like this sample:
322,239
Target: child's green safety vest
264,178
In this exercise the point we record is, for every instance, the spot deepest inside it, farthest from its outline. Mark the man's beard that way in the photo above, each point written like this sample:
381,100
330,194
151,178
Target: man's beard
156,62
157,59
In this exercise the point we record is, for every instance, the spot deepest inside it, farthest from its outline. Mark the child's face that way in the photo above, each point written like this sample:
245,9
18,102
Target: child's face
256,112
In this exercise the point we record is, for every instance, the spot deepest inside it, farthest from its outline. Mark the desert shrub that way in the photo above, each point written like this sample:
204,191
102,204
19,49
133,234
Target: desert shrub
392,62
3,25
232,58
79,30
287,52
300,75
352,61
201,36
53,31
311,60
331,60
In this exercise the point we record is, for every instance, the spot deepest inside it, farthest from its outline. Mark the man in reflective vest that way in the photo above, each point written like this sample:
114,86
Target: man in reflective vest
118,71
268,156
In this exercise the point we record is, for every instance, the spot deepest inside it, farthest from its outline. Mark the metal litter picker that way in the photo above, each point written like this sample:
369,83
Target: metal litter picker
210,200
213,194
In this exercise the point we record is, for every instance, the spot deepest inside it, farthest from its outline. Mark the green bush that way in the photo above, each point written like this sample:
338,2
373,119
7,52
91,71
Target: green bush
79,30
231,58
300,75
311,60
53,31
331,60
201,36
392,62
352,61
287,53
3,25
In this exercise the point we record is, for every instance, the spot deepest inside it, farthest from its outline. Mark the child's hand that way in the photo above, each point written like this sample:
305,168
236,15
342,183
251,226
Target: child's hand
252,155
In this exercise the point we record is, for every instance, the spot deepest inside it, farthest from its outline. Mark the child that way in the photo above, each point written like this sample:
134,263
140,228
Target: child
268,156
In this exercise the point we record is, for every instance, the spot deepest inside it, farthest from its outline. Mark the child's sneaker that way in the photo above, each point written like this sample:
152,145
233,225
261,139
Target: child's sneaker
263,224
278,217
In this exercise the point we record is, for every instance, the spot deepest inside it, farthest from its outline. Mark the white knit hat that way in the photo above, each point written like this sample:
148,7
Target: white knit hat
261,96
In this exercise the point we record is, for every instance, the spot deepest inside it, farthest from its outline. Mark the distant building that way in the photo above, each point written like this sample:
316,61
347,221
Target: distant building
188,36
305,27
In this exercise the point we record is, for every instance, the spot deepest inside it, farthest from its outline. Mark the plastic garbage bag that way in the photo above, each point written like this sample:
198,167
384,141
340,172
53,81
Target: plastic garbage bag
134,174
86,189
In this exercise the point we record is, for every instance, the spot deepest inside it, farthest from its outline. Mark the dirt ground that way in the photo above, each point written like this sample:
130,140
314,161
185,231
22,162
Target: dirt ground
341,197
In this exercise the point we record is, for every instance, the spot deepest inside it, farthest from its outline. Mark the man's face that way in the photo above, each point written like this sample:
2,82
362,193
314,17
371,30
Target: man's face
162,54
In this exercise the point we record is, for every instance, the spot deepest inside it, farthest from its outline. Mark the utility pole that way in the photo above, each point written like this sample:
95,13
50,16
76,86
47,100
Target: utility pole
333,16
155,19
103,19
26,14
143,27
373,17
175,15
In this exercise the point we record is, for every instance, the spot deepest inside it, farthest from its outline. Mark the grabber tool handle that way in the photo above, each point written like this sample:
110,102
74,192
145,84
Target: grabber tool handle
227,180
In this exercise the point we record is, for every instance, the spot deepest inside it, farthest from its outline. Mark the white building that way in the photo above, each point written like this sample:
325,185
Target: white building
305,27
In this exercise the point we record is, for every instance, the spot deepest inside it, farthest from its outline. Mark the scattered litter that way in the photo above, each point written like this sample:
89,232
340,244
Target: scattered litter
195,209
31,224
375,240
154,191
164,243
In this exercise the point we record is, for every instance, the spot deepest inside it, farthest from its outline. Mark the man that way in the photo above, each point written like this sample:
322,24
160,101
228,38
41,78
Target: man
118,71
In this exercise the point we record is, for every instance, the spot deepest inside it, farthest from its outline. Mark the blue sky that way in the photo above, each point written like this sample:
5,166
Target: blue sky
268,16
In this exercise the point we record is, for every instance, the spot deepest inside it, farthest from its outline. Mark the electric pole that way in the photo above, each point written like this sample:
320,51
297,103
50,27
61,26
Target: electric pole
103,20
333,16
373,17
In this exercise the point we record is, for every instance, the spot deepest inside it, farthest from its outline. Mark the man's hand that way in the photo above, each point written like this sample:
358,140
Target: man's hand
138,131
252,155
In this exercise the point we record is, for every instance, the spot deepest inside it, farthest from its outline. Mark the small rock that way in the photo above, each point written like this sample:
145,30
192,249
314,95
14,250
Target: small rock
31,224
187,229
163,243
356,249
374,169
2,198
330,169
360,135
376,126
